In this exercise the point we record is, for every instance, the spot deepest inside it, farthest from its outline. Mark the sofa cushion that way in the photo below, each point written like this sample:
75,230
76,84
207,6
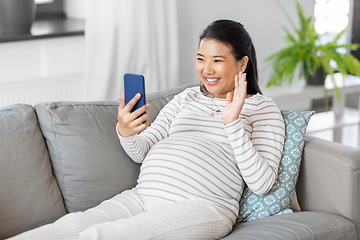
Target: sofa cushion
301,225
278,199
30,196
88,160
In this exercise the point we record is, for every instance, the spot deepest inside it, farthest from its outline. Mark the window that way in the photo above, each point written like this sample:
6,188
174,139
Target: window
49,9
331,17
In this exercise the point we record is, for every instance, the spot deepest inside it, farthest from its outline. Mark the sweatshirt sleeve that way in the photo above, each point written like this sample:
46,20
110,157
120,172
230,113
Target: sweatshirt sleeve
138,146
258,157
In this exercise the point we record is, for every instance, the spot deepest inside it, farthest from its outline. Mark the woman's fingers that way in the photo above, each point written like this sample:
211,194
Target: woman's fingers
138,112
236,90
130,123
140,120
229,98
240,85
243,84
140,127
129,106
122,101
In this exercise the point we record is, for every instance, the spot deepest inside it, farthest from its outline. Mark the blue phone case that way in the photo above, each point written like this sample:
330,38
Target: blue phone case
133,84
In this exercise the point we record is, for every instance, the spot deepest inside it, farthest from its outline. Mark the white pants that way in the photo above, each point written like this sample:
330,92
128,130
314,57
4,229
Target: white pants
129,216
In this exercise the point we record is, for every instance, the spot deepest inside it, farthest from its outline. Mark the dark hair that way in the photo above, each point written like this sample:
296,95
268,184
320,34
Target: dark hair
235,35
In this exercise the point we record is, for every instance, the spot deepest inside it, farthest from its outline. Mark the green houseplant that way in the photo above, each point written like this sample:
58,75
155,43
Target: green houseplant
304,51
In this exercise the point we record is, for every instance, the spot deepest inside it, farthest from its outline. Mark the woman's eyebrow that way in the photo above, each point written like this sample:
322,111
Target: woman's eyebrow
219,56
216,56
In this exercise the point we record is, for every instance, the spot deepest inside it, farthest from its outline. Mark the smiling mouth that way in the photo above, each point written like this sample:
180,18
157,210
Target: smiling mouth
212,81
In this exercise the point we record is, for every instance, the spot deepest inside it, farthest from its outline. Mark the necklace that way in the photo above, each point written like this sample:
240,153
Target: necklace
212,107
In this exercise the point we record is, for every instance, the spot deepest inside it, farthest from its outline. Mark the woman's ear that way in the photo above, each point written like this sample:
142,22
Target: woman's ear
243,63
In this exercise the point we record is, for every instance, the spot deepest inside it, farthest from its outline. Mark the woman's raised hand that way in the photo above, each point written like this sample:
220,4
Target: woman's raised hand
235,101
131,123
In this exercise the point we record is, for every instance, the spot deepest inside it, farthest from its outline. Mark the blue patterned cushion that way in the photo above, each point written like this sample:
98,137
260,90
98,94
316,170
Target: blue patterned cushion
278,199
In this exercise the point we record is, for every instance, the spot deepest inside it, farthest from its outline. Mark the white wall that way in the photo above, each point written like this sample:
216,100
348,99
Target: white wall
76,8
41,70
262,18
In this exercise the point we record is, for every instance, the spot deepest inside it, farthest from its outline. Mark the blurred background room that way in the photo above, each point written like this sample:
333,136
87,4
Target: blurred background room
79,50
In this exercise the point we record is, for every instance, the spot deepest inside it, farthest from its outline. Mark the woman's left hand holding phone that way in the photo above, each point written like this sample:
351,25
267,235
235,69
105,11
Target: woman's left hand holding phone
131,123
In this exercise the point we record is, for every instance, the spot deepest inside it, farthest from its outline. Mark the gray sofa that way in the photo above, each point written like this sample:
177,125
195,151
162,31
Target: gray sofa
65,156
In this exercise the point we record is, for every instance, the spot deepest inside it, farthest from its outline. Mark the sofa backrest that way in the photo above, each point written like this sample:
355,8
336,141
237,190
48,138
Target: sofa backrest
29,194
87,158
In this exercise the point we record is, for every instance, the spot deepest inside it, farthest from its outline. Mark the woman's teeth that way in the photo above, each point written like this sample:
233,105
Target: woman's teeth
212,79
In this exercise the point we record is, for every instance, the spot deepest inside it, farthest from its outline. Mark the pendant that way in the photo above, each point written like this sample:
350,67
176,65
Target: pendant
218,110
211,115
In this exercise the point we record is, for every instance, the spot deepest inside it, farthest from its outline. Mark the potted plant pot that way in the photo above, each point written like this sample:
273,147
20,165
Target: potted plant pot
318,78
16,16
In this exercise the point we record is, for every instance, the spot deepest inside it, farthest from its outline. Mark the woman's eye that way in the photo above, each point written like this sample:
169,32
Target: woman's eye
218,60
199,59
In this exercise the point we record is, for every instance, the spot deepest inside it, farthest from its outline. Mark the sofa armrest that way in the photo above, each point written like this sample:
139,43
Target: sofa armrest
329,179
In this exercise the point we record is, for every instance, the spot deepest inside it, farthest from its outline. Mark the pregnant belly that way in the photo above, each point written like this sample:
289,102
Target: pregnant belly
188,168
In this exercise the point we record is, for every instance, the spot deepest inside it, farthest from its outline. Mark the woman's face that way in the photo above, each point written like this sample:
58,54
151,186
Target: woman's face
217,67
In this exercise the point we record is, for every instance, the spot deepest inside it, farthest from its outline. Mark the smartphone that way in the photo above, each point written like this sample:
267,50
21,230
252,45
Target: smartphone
133,84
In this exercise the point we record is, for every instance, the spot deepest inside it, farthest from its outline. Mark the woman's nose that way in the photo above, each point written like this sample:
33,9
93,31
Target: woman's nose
208,69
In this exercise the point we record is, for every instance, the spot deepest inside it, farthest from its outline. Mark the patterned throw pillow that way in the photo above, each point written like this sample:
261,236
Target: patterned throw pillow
277,200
